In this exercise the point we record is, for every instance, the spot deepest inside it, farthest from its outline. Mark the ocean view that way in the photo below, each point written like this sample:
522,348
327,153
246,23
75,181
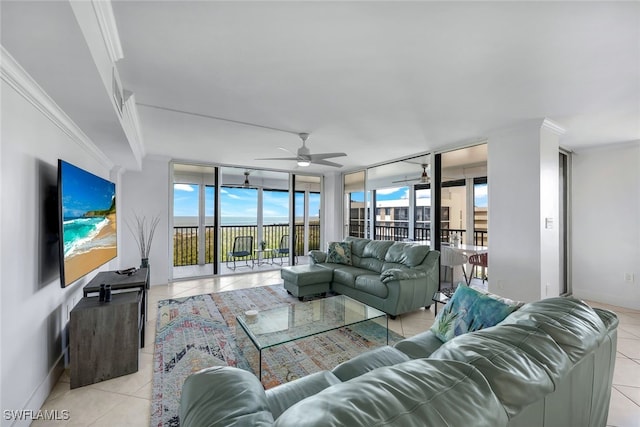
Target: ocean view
186,221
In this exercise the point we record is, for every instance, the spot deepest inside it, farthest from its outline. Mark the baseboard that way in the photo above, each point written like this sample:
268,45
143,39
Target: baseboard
41,394
611,298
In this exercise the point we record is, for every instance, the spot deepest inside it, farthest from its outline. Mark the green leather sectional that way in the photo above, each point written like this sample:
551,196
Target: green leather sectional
550,363
394,277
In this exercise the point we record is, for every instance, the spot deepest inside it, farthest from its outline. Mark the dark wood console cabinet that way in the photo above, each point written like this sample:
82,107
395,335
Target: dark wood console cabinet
138,281
105,338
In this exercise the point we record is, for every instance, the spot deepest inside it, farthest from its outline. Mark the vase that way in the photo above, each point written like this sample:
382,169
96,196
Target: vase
144,263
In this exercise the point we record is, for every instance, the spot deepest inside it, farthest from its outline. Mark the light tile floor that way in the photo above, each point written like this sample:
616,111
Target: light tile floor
126,401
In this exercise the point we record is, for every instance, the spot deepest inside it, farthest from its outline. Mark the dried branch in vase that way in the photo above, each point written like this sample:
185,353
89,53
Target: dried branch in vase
143,231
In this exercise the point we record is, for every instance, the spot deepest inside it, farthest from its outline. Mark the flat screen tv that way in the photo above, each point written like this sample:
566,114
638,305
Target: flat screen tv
87,212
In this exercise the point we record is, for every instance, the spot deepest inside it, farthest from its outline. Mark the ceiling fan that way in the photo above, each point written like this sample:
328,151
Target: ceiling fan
304,157
246,179
422,179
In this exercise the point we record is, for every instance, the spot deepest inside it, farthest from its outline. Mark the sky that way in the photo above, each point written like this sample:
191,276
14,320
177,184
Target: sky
242,202
83,191
239,202
399,193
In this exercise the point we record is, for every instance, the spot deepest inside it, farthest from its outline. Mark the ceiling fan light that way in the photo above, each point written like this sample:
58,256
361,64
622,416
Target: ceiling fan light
303,163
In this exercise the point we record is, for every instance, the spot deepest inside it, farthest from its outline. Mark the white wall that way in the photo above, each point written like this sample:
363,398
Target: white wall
606,224
146,193
549,213
34,306
523,255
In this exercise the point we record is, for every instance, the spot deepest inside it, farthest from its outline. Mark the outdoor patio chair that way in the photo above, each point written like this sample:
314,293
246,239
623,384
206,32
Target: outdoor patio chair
478,260
282,251
450,258
242,249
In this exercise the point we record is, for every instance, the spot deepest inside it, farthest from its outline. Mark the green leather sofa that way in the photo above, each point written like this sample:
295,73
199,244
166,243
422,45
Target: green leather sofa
394,277
550,363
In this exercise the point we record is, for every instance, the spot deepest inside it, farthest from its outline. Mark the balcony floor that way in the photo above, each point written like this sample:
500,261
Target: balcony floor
196,271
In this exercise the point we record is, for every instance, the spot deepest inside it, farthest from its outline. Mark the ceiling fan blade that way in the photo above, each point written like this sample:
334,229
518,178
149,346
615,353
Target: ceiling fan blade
288,151
325,163
406,180
322,156
278,158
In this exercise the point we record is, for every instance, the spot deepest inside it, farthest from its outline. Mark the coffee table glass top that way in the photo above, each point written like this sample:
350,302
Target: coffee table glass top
292,322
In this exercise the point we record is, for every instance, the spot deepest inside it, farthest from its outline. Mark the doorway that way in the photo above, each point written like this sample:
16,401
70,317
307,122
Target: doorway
194,220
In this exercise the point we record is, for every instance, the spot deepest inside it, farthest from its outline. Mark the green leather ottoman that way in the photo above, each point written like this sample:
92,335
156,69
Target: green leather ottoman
303,280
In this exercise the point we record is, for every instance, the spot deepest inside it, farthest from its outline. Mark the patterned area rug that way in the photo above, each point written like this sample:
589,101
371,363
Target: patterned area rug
197,332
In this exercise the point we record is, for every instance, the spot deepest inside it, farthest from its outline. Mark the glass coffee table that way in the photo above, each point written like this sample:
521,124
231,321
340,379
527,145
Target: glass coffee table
278,326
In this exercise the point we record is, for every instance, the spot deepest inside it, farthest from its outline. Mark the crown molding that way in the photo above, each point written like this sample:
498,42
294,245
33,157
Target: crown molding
553,127
109,29
16,77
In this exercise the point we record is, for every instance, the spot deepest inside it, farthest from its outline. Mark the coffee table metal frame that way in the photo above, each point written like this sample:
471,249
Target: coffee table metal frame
277,326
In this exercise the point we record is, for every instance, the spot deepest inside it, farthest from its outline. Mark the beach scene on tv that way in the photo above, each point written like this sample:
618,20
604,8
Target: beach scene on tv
89,221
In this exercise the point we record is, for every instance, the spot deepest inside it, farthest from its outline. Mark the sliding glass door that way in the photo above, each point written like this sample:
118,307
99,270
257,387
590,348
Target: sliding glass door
214,206
194,220
306,217
354,201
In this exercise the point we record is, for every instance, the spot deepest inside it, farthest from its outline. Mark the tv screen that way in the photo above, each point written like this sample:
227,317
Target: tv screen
87,211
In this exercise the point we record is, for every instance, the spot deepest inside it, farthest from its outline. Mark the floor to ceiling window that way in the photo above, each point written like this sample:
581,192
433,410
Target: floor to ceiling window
392,213
307,218
463,198
254,206
463,195
354,201
212,206
480,212
422,217
275,221
390,201
194,220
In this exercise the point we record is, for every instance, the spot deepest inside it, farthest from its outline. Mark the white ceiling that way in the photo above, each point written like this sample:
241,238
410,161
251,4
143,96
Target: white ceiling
377,80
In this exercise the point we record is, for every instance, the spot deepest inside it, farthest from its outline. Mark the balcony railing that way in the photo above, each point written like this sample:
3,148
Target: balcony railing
399,233
186,238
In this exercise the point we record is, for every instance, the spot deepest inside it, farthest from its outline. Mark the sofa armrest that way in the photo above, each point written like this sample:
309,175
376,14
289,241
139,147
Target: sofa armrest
224,395
402,274
317,257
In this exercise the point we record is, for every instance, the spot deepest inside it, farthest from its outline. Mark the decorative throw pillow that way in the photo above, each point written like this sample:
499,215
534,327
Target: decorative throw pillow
469,310
339,253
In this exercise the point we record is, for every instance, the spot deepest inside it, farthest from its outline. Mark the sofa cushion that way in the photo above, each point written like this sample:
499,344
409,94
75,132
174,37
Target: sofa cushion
469,310
368,361
377,249
420,345
371,264
371,284
574,325
201,404
416,393
521,362
407,254
339,253
347,274
287,394
357,245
